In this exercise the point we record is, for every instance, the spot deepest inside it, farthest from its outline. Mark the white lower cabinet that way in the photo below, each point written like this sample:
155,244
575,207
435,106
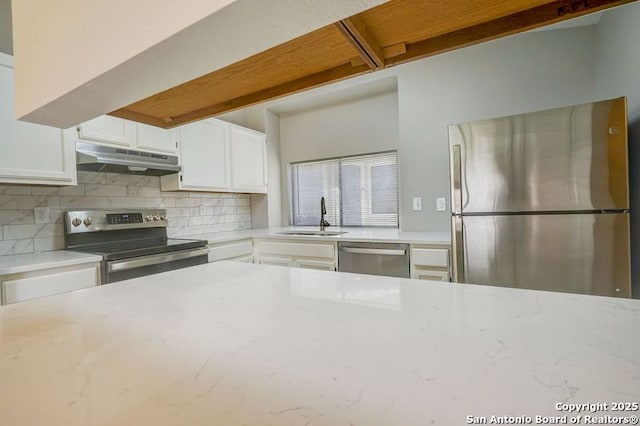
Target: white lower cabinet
31,285
241,251
430,262
31,153
299,254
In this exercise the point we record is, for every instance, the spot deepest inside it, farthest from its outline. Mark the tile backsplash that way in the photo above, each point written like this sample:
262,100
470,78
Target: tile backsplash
190,213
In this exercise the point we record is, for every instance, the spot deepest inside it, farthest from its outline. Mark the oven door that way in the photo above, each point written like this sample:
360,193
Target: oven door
124,269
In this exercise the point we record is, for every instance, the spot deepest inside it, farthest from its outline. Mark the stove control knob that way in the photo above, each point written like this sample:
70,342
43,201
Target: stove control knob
148,218
87,221
163,217
156,218
76,221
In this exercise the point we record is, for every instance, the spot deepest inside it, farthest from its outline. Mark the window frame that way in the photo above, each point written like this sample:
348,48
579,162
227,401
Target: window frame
369,213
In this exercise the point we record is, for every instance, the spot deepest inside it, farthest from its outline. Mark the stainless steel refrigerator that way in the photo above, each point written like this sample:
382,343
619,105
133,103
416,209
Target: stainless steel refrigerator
541,200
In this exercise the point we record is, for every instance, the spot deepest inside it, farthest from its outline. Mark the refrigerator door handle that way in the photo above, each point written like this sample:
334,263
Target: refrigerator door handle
456,179
458,249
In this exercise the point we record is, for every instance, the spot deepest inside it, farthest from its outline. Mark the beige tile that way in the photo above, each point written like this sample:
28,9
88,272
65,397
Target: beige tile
211,202
77,190
187,202
92,177
45,190
16,232
145,191
31,201
159,202
8,202
67,203
16,217
16,246
15,190
178,212
48,243
125,202
105,190
118,179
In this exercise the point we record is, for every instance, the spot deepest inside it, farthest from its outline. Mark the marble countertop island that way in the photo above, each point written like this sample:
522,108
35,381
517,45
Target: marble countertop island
238,344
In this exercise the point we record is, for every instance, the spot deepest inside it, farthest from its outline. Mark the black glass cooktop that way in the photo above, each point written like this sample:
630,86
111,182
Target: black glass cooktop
136,248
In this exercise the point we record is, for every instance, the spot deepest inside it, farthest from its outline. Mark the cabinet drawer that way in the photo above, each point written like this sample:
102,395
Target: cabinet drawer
430,257
21,289
431,275
297,249
230,250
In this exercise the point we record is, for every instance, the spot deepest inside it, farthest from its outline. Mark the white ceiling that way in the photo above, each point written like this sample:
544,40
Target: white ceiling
6,41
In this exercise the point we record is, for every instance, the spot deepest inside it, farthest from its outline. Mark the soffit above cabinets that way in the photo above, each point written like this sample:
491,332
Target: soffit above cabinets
395,32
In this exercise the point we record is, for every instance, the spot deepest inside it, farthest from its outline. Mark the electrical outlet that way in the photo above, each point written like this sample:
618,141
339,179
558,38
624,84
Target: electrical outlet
41,214
441,204
417,204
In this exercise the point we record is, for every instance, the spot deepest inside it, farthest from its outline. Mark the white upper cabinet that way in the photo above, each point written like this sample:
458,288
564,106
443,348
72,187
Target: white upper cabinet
31,153
109,130
248,160
155,139
204,156
219,157
114,131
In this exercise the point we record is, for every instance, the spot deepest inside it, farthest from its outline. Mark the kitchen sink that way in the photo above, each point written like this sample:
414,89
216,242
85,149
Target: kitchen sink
319,233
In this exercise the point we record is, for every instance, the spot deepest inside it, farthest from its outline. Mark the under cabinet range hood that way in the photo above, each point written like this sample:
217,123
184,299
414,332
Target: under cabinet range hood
98,158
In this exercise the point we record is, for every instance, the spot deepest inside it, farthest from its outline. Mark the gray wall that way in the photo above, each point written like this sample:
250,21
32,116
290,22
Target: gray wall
618,57
521,73
190,213
360,126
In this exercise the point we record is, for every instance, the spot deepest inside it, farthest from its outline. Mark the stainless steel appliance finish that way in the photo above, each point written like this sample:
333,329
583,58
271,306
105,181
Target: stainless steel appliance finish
389,259
541,200
98,158
132,243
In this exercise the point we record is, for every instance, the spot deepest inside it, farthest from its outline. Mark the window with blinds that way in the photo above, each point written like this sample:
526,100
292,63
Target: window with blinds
358,191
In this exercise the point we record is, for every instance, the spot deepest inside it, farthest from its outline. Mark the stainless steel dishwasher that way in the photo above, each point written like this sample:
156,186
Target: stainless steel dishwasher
390,259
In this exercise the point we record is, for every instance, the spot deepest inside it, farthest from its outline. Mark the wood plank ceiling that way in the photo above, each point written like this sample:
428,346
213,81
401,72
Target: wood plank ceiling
395,32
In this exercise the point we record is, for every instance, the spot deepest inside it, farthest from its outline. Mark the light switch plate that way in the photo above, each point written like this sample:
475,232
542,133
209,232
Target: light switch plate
41,215
441,204
417,204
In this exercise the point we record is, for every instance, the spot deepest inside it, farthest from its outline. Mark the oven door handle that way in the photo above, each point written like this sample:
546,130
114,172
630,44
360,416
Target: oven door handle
139,262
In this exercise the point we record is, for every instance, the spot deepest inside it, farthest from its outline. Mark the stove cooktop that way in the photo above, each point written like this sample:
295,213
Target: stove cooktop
136,248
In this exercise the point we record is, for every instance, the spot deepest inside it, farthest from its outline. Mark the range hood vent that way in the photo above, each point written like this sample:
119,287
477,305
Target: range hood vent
98,158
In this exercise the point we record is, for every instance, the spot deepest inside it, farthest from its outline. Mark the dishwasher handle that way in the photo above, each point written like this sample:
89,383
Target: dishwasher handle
374,251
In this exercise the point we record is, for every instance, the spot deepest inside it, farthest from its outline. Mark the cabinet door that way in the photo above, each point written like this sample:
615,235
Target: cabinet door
21,289
31,153
155,139
205,157
248,160
109,130
315,264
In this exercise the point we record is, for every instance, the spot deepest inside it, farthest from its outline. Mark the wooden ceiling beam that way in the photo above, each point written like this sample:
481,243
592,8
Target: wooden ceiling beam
361,38
138,117
308,82
504,26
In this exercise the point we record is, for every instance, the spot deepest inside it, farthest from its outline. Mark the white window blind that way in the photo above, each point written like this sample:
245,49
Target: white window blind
358,191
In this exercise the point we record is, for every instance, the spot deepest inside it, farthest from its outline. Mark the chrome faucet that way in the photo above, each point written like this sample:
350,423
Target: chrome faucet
323,211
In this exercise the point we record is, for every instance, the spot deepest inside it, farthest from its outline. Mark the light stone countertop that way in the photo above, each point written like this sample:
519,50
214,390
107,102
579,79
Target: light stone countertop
19,263
229,343
389,235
